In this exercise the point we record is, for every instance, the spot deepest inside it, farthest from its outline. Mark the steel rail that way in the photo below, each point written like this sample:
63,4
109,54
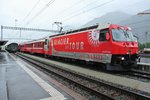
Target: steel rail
141,74
46,68
136,95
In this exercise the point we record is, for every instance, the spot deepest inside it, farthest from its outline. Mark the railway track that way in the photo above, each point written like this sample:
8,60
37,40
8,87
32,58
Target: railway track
140,74
134,74
90,87
137,74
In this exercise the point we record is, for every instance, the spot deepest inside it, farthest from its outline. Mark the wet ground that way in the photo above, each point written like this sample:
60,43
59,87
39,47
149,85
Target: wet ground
18,84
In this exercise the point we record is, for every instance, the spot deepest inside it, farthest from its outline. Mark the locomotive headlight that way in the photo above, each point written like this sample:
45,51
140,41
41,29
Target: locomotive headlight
122,58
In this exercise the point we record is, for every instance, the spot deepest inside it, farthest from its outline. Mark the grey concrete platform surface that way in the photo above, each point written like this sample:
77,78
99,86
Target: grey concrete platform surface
121,80
19,83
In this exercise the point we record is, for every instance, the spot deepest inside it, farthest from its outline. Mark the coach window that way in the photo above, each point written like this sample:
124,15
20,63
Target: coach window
36,45
102,36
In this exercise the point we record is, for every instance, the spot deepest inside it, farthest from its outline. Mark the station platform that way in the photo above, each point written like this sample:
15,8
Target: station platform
18,82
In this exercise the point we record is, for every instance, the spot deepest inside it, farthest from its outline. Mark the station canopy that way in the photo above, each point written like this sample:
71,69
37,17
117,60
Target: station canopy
3,42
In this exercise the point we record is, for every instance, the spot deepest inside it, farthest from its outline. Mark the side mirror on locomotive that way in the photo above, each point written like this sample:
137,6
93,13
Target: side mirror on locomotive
107,36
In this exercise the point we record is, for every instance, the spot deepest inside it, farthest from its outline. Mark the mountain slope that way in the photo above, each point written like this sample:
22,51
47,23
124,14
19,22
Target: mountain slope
140,24
113,17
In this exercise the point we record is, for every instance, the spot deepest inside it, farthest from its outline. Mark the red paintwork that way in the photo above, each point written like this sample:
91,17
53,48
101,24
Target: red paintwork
39,49
84,42
123,47
33,49
80,42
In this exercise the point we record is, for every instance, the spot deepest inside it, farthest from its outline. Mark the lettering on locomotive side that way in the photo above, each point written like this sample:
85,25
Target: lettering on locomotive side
61,41
78,45
98,57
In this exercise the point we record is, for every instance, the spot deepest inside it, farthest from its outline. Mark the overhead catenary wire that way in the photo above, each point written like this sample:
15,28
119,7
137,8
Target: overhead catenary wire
40,11
30,12
63,11
70,7
66,9
85,11
17,39
78,10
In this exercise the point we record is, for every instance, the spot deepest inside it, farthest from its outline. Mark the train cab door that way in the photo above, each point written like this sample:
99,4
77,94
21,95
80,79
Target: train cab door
105,43
46,46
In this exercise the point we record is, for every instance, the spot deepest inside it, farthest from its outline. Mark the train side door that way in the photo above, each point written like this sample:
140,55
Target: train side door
105,43
46,46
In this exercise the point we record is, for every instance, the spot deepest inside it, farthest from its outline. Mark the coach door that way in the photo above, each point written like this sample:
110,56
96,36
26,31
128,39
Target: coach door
46,46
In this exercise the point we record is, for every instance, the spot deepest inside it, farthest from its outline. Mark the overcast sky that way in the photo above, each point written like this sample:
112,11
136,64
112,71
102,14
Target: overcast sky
72,13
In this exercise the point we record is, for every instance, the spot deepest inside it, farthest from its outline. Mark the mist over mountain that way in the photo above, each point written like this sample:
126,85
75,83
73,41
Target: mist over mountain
112,17
140,24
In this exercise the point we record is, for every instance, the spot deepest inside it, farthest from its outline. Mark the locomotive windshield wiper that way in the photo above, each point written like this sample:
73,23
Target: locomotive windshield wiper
126,34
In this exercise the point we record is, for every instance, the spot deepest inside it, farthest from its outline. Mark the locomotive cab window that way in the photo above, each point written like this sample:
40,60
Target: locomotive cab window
102,36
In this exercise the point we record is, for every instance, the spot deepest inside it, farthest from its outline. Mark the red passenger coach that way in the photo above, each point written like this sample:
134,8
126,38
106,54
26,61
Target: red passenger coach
36,46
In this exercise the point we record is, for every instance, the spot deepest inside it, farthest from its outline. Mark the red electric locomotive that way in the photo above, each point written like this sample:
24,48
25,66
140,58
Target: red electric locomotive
111,45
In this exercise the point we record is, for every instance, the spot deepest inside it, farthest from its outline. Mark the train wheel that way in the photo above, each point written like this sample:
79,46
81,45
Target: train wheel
104,67
45,56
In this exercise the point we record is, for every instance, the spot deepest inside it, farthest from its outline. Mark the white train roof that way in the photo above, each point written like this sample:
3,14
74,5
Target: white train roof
33,41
